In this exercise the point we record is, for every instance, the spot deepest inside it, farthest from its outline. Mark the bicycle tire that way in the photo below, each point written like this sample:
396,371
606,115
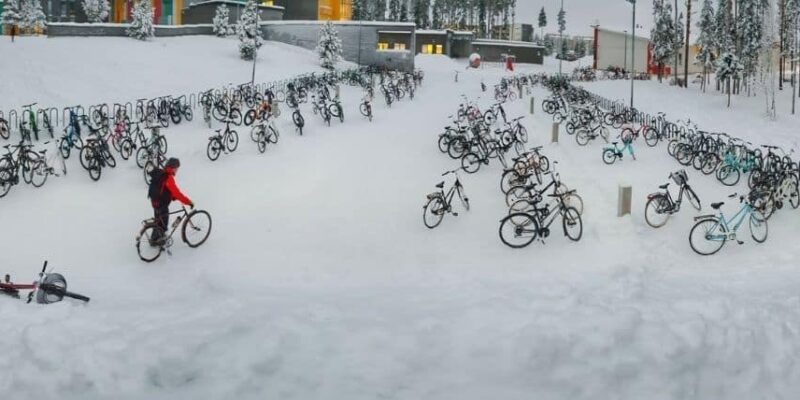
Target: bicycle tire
656,206
436,207
758,221
232,142
143,244
518,230
198,221
39,174
706,225
213,149
570,222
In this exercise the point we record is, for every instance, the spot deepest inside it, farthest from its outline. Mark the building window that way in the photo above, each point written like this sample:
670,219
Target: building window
335,10
399,46
268,3
383,46
427,49
439,49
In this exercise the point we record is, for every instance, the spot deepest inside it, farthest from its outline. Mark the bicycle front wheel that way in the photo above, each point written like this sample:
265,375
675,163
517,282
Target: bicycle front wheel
213,149
707,237
692,197
39,174
196,228
655,211
758,227
572,224
149,250
433,212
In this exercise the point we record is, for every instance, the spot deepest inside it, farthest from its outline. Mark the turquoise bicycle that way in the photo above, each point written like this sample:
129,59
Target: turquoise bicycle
711,232
612,154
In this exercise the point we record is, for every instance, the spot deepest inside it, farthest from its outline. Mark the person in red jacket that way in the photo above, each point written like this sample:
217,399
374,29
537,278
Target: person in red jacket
162,192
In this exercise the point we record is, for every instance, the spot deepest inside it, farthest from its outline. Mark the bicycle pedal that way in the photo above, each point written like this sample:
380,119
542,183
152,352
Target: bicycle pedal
740,242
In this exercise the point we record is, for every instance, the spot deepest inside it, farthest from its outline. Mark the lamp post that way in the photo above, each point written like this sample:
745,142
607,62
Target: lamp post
633,47
561,38
625,57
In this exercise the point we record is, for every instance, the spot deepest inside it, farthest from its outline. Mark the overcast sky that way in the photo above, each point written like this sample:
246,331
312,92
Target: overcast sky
611,14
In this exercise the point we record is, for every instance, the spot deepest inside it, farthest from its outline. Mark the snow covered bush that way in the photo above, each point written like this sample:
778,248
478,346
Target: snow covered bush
329,47
11,13
249,34
142,22
33,18
729,68
96,10
220,21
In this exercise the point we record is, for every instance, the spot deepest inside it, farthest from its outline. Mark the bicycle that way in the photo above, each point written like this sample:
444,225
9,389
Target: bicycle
714,231
226,141
520,229
195,229
21,158
612,154
662,204
264,133
441,203
49,288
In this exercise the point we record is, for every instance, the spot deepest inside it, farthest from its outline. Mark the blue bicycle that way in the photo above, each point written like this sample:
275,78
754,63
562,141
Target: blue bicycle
711,232
612,154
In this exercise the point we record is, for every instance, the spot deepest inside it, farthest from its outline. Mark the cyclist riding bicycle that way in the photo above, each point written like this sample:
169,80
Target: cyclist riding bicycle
161,193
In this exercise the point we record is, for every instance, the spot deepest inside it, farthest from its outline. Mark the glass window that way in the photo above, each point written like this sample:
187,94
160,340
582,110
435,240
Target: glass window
383,46
399,46
439,49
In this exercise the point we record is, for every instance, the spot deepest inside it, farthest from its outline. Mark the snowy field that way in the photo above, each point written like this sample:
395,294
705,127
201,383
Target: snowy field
320,281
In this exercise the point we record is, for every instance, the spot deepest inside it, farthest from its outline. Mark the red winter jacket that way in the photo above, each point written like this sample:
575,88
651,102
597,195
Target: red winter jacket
172,188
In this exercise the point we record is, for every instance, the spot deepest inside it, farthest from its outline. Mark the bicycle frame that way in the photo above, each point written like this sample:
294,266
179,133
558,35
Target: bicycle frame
740,216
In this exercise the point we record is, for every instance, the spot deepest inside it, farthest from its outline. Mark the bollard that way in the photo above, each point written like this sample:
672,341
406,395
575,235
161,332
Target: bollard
533,105
554,134
624,201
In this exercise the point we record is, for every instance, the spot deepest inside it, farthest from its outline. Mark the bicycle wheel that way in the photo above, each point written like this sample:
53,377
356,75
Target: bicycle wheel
5,182
433,212
758,227
517,193
162,144
655,211
86,155
188,114
272,135
147,248
707,237
214,149
728,175
64,148
692,197
52,289
510,179
142,156
249,117
544,164
471,163
609,156
298,119
518,230
39,174
126,148
196,228
232,141
148,169
109,158
575,201
650,137
262,145
582,137
255,132
572,224
794,195
710,163
95,170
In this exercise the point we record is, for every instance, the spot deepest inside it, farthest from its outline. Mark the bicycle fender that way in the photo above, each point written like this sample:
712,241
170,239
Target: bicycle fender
702,217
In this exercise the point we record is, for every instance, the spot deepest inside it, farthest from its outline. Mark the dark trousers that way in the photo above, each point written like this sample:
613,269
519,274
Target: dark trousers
161,215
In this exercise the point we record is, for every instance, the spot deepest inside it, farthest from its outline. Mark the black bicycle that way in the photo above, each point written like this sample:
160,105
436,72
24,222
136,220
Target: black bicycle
195,229
660,205
226,141
521,229
440,203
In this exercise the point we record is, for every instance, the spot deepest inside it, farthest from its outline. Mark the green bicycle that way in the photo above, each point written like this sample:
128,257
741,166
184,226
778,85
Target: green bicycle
711,232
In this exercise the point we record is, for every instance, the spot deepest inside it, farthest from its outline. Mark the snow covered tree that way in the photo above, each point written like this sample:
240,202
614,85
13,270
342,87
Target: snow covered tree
437,14
705,41
723,26
766,70
394,10
728,69
33,17
221,21
96,10
358,10
329,47
663,35
378,10
421,13
562,25
750,24
11,15
542,21
404,11
142,21
248,31
549,45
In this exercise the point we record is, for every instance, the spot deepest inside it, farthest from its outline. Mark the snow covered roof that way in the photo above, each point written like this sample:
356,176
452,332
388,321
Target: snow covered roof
507,43
363,23
431,32
396,32
238,3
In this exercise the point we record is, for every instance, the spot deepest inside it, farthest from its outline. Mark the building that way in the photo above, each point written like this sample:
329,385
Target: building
522,32
497,50
203,12
454,44
323,10
613,49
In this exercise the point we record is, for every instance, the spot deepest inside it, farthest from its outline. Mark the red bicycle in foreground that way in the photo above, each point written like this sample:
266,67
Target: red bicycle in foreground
49,288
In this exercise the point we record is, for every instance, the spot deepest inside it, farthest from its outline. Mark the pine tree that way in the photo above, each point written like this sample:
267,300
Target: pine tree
11,15
394,10
562,25
142,21
750,30
482,18
421,13
723,26
379,10
404,11
33,17
329,47
662,36
221,21
542,20
549,45
358,10
728,69
437,14
96,10
248,31
706,41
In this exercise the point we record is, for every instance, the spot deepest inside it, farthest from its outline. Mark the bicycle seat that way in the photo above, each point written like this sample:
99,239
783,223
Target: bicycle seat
43,151
614,143
664,186
218,130
716,206
440,185
6,146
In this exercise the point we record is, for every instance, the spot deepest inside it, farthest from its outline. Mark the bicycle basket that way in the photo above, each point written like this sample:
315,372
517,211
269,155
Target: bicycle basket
679,177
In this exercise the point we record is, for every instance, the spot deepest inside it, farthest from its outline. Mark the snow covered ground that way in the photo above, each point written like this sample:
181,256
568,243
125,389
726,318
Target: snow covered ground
319,279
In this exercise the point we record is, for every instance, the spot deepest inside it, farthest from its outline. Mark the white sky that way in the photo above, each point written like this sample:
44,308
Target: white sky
611,14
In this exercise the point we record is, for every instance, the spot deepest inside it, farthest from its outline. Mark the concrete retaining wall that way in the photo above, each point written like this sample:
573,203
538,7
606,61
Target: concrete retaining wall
77,29
203,12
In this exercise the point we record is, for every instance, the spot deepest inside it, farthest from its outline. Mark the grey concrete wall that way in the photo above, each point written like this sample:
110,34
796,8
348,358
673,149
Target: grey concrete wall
423,39
359,40
493,53
69,29
203,13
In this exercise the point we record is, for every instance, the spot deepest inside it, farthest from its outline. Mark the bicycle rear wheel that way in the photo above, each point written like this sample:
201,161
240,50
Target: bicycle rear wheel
433,212
518,230
146,246
572,224
196,228
706,237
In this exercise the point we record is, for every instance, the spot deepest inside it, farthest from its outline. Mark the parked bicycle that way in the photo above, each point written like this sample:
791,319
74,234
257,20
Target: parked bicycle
441,203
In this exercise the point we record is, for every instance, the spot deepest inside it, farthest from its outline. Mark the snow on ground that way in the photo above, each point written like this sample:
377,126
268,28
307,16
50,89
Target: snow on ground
746,118
61,72
319,279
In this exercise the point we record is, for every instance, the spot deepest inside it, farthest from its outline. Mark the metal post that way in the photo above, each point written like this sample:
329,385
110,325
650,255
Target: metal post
677,35
633,49
625,57
533,105
561,39
686,45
